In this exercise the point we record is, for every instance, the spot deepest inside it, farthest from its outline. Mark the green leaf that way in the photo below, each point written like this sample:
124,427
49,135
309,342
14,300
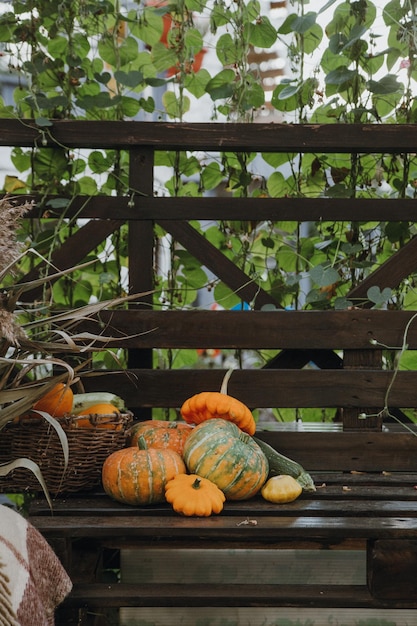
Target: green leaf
326,6
195,5
387,84
227,50
196,82
288,91
276,185
276,159
374,294
340,76
356,33
286,27
224,296
57,46
58,203
147,104
129,106
193,41
162,57
130,79
43,122
221,86
103,78
211,175
117,55
262,34
268,242
80,45
397,231
324,276
87,186
312,39
303,23
174,105
393,12
342,303
149,27
286,103
102,100
98,162
7,27
253,95
194,277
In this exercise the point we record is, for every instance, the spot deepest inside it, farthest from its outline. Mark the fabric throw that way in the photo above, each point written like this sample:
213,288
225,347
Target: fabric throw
32,580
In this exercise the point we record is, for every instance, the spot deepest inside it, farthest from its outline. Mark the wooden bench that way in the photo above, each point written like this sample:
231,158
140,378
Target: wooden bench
373,516
365,465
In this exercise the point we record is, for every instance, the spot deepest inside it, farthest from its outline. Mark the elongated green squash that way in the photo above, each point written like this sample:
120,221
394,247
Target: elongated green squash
280,464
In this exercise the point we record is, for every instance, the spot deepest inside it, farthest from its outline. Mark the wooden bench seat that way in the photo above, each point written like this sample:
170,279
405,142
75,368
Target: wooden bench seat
371,514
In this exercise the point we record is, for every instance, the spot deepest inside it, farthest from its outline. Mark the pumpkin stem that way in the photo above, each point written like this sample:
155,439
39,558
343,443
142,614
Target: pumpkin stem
244,437
226,378
196,483
142,445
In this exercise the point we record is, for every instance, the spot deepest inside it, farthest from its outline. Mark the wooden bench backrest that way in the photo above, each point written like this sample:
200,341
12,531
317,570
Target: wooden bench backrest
344,346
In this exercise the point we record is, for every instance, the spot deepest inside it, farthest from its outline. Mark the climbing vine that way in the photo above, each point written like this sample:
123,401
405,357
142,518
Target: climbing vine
192,60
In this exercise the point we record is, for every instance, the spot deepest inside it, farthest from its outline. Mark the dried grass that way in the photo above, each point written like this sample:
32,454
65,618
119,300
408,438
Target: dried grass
21,351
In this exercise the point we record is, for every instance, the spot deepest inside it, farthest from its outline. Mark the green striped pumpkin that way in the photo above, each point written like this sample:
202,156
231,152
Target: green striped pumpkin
218,450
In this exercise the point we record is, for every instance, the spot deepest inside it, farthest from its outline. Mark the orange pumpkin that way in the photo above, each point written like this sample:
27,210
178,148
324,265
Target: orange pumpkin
57,402
101,408
214,404
138,476
160,434
101,415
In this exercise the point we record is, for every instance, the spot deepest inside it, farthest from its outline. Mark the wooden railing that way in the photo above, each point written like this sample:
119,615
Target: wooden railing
349,374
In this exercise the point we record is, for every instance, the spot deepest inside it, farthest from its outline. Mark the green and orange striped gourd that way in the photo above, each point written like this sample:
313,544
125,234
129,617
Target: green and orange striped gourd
220,451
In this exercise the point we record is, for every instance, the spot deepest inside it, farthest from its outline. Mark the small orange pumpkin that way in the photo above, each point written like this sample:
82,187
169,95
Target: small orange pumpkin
160,434
213,404
57,402
138,476
99,415
190,495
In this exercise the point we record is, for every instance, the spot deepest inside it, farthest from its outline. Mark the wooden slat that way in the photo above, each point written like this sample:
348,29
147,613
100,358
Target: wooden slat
262,388
149,207
366,138
269,528
317,330
377,452
359,494
363,503
223,595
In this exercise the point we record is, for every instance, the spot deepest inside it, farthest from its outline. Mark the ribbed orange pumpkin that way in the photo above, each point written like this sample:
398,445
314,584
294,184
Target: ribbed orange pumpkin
160,434
218,450
138,476
57,402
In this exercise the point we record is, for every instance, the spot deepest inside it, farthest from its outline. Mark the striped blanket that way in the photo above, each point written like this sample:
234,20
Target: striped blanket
32,580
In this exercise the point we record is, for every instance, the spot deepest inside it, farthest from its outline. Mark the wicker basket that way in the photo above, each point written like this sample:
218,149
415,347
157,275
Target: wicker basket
36,439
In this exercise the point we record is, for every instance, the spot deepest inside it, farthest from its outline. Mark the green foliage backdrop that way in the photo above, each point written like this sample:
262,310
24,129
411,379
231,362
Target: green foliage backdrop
346,62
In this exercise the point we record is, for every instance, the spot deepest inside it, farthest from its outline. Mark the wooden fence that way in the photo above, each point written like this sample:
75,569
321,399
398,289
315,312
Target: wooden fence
349,375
